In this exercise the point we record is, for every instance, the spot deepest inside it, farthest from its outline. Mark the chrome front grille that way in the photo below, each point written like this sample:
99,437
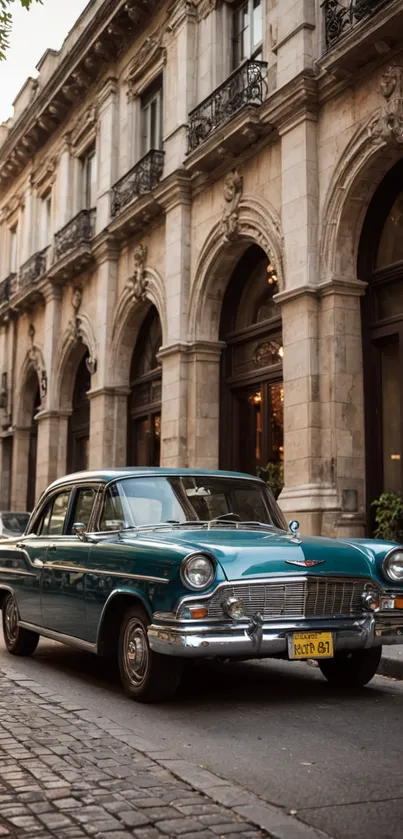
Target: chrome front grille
311,598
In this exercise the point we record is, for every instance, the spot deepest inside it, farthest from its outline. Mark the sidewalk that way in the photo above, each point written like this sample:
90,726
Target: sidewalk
67,773
392,662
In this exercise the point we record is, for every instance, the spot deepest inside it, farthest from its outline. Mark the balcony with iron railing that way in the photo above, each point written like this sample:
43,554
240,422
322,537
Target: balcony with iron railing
232,106
138,182
6,287
357,31
72,248
32,270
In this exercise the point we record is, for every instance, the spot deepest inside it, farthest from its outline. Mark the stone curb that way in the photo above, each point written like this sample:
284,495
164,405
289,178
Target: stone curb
270,817
391,667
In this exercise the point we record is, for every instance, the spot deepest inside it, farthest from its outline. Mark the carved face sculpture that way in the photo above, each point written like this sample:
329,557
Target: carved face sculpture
76,299
388,82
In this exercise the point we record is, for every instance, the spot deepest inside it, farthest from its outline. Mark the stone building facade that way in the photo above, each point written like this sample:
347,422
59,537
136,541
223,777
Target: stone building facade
201,258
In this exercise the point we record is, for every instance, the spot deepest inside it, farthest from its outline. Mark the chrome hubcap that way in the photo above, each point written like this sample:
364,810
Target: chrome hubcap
136,652
11,620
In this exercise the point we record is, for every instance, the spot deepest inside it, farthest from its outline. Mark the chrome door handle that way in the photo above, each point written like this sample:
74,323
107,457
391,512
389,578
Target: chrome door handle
38,562
20,545
52,548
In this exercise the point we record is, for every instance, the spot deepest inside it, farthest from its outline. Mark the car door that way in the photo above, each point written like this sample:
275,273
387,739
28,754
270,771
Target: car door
21,563
63,579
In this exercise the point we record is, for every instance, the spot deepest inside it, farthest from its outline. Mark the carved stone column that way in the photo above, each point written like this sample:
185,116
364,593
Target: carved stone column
19,480
107,150
108,432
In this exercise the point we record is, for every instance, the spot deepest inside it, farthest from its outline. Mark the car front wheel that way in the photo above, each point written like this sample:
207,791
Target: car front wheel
146,676
18,641
351,669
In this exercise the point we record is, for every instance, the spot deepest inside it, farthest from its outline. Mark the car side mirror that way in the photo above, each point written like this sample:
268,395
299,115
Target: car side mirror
293,526
80,530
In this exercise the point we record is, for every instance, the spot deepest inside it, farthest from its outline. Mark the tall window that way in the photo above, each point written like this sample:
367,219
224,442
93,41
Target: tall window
89,179
13,250
151,118
46,215
247,31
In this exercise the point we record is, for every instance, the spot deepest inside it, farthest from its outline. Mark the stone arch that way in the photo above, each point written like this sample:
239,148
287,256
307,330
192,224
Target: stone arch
25,397
258,224
129,316
78,339
361,168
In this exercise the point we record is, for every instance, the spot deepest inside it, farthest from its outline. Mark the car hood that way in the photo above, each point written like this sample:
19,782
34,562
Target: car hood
254,554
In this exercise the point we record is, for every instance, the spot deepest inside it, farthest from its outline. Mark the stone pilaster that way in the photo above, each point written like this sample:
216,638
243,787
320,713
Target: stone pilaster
342,401
108,427
174,359
107,150
5,471
295,38
19,478
64,187
51,458
204,403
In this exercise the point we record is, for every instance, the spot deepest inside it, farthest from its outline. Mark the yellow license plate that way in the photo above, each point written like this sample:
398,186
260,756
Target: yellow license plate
310,645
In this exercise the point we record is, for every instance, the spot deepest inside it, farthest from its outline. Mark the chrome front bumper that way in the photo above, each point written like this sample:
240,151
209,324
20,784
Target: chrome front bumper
195,639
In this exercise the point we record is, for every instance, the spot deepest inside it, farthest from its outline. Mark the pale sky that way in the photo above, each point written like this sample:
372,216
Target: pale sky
42,27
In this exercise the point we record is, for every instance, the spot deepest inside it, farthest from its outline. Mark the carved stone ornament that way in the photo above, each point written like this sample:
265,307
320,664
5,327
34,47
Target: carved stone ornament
85,124
91,365
46,172
36,358
388,126
151,51
138,280
205,8
75,322
233,189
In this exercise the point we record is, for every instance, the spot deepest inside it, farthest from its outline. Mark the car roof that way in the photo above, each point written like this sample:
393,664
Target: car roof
106,475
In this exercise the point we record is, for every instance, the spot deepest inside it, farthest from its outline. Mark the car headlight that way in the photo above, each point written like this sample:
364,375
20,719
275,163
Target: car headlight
393,566
197,571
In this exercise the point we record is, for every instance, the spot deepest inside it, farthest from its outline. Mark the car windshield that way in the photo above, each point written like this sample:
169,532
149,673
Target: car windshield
176,500
14,524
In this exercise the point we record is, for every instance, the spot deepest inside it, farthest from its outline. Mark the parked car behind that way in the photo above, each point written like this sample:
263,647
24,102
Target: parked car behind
13,524
153,567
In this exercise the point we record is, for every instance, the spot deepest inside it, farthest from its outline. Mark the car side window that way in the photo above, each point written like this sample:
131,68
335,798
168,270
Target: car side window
54,523
84,502
112,517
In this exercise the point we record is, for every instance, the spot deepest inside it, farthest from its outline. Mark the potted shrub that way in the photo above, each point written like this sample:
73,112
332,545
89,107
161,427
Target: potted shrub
389,517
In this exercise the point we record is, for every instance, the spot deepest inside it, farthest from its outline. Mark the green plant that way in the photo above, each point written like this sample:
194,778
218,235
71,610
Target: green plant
389,517
6,22
273,475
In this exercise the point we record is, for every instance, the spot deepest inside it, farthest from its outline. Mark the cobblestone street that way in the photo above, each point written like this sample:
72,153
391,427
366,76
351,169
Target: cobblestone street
62,775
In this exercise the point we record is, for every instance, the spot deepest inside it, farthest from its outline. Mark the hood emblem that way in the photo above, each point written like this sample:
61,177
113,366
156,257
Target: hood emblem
306,563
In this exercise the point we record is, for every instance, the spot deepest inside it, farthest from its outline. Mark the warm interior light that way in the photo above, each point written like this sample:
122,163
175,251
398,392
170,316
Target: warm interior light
281,352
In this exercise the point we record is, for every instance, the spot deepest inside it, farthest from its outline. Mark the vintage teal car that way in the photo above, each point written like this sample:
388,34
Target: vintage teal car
153,567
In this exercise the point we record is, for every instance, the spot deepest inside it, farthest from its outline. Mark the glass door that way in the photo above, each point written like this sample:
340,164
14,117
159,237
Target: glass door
259,426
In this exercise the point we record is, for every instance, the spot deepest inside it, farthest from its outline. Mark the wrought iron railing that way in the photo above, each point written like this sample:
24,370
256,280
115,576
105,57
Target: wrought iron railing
79,231
32,269
245,86
6,288
342,15
140,180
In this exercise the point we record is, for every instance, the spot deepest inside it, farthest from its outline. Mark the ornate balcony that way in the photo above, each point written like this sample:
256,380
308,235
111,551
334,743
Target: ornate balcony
357,31
72,247
6,288
79,231
236,100
139,181
33,269
342,15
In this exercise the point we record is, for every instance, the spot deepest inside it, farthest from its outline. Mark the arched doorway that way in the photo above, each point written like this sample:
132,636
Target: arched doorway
33,388
380,264
79,422
251,415
144,407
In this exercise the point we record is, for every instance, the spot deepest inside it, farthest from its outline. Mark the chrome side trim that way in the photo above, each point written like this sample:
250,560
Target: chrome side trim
17,571
76,569
70,640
